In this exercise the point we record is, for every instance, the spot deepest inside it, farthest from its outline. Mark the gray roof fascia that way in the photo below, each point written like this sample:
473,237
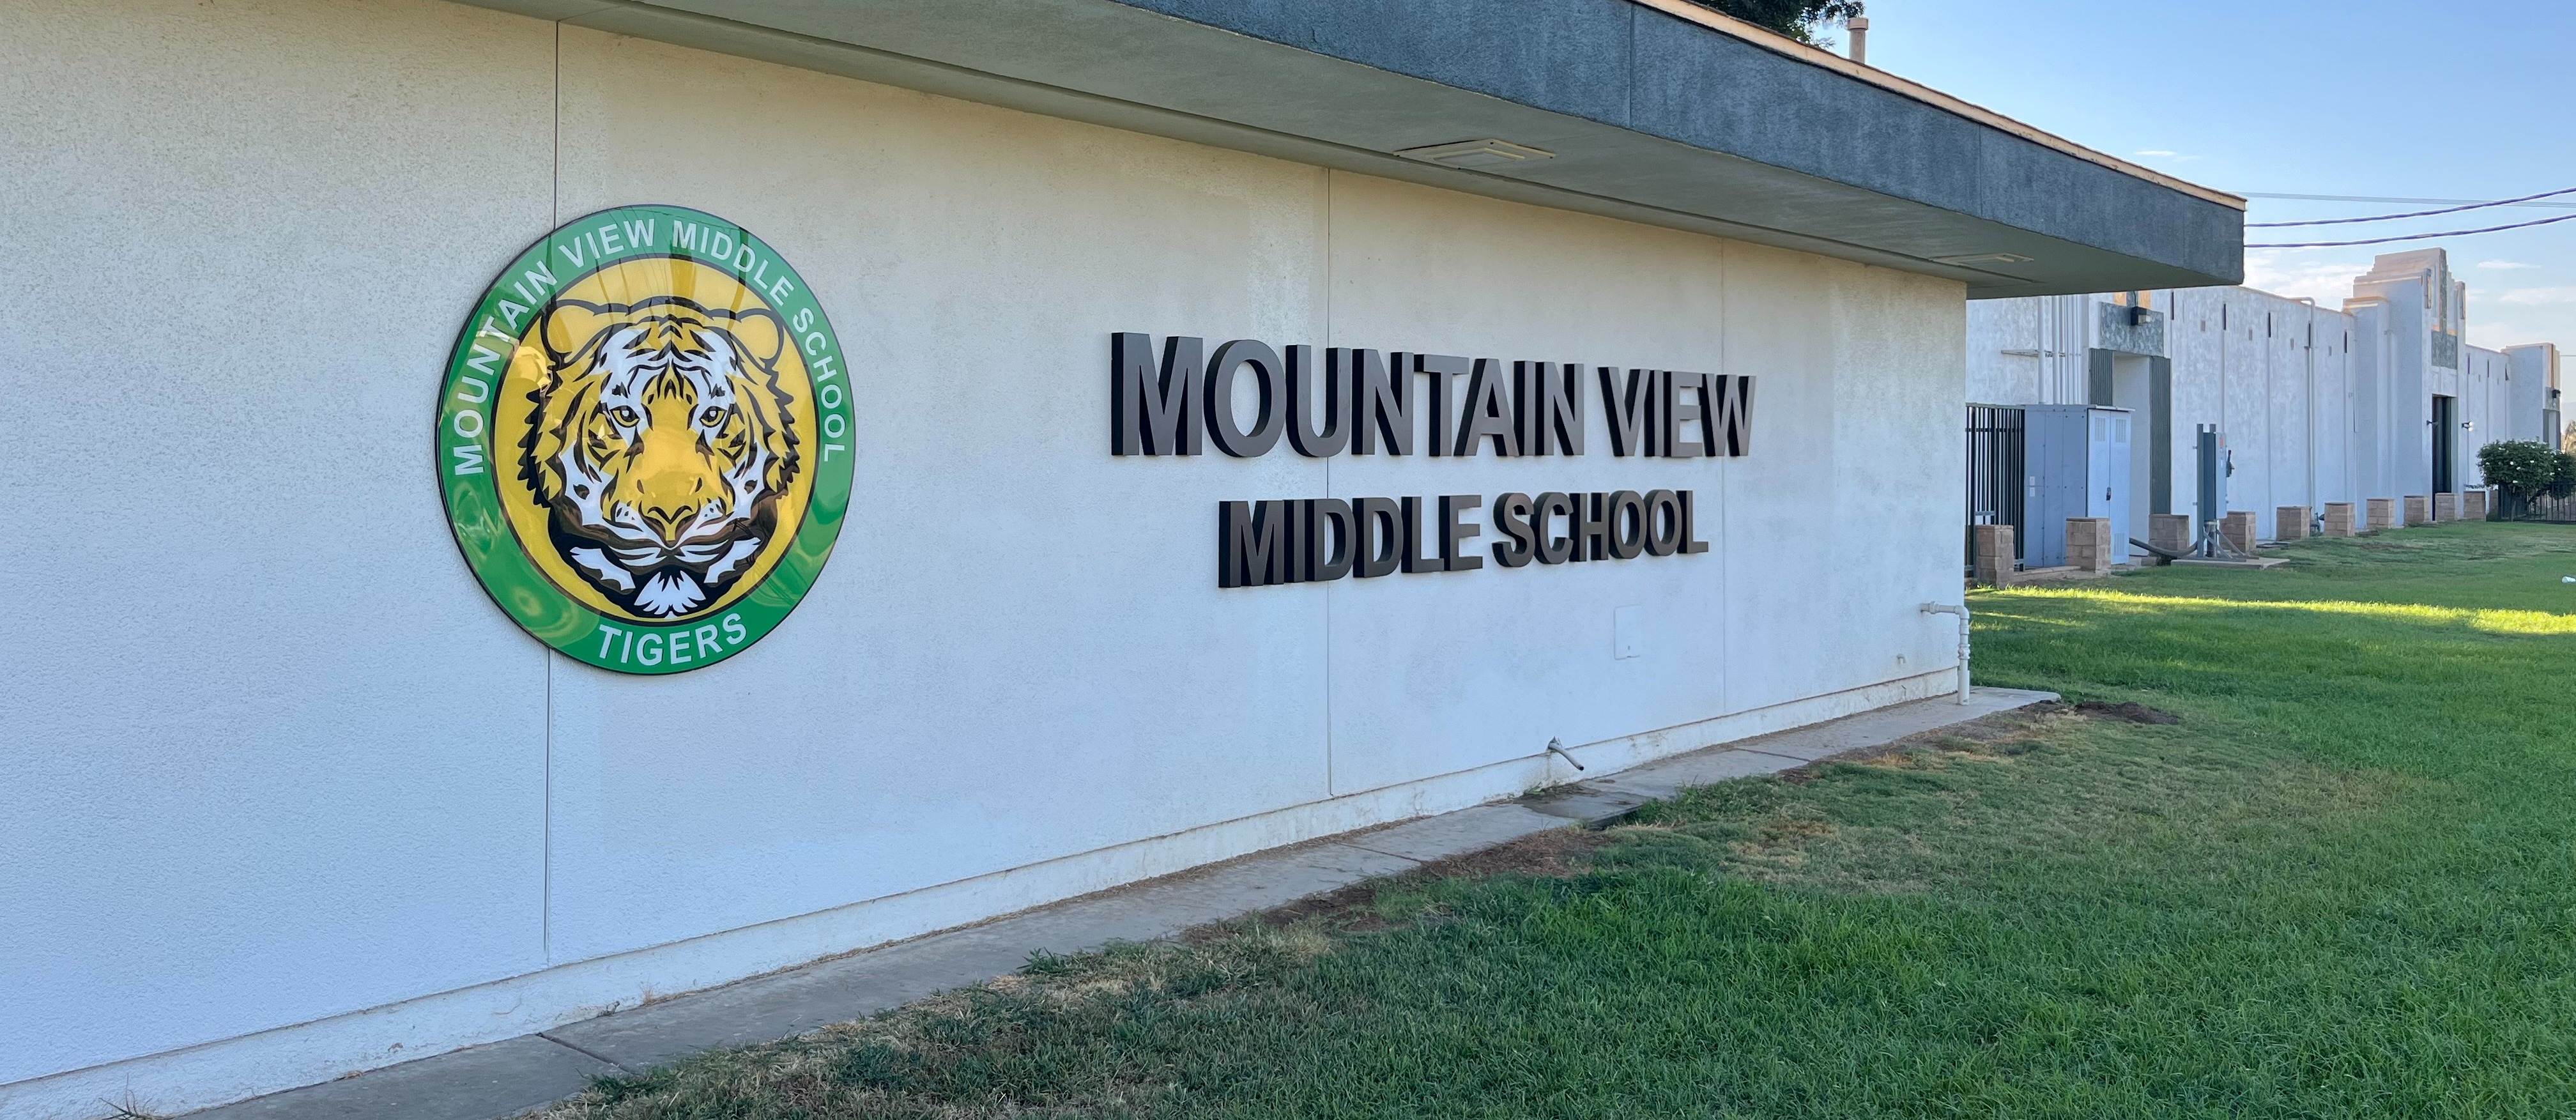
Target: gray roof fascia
1769,149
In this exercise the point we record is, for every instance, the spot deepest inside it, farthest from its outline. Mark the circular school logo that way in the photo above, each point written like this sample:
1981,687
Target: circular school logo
644,439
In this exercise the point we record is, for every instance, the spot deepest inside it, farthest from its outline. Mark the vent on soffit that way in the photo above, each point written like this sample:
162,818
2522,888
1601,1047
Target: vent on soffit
1478,155
1980,260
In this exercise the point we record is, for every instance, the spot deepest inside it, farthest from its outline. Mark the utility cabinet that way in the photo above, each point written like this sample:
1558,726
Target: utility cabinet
2078,467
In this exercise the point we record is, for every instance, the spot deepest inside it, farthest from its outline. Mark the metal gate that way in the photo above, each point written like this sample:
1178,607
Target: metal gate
1996,450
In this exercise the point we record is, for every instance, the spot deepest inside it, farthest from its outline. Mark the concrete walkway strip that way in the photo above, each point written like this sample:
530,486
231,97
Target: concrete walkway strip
478,1083
506,1078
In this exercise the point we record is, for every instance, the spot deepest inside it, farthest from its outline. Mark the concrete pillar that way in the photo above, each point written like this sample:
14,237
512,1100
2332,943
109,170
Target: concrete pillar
2383,514
2339,519
2419,510
2474,507
2169,531
2088,544
1994,554
2238,530
2446,507
2290,523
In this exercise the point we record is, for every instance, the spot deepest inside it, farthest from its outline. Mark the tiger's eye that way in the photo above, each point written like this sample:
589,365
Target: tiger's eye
624,415
712,416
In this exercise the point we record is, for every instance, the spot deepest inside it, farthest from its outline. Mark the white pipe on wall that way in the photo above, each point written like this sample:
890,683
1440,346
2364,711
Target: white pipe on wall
1961,610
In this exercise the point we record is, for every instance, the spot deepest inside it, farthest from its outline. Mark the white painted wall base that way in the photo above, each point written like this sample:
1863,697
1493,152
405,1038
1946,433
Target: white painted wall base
270,1061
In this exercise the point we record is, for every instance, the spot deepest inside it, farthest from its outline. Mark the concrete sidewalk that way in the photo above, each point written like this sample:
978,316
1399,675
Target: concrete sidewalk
504,1078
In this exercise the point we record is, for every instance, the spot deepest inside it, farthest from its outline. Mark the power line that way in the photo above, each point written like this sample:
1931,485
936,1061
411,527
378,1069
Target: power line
2415,236
2407,201
2414,214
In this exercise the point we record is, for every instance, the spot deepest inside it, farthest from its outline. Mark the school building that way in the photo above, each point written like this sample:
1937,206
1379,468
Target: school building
566,502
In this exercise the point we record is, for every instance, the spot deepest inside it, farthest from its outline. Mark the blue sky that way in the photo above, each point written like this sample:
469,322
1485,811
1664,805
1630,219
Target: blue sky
2363,97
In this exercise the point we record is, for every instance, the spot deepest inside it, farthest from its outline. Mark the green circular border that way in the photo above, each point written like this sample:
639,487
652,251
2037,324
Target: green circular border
533,279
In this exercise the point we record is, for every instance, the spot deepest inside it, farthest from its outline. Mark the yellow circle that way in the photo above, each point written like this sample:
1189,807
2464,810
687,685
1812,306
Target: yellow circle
661,328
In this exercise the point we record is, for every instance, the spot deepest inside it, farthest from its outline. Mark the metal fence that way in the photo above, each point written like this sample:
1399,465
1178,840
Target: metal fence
2543,507
1996,457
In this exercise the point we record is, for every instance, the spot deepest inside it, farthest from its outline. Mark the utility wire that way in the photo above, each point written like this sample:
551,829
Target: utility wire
2569,205
2414,214
2414,236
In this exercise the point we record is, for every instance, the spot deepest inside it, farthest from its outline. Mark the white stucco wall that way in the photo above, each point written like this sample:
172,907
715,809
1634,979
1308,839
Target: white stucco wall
2031,350
2275,375
2318,405
2534,371
285,795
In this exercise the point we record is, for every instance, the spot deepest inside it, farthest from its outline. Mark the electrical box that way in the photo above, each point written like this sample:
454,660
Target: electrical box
2079,467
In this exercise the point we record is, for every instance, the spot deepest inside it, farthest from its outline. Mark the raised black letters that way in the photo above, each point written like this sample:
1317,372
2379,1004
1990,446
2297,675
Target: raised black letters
1627,524
1151,415
1303,381
1252,545
1553,549
1454,533
1553,398
1591,526
1330,516
1663,522
1414,561
1488,412
1732,425
1628,410
1377,537
1381,406
1218,398
1691,544
1511,518
1442,372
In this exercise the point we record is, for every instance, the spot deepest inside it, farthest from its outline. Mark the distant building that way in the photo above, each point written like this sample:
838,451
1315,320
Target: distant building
2382,399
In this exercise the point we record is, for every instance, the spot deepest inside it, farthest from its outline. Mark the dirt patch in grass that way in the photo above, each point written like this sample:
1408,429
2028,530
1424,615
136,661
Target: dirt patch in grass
1555,853
2003,734
2132,711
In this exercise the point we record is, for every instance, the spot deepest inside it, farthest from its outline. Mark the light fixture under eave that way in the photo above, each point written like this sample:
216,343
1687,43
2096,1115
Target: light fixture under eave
1478,155
1974,260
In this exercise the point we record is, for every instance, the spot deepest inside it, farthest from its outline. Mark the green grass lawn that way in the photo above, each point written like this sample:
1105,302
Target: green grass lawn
2343,885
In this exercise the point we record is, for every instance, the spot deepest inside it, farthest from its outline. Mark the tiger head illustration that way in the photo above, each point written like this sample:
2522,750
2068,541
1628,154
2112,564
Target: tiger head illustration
660,442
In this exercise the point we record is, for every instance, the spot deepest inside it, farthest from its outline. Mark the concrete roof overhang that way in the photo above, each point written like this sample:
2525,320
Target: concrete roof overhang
1656,111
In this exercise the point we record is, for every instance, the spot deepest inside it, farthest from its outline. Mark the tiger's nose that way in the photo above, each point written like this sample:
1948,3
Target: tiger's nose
667,521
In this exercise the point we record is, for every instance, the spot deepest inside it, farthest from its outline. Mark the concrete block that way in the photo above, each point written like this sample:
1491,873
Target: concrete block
2473,506
2383,514
1994,554
2238,530
2169,531
2419,509
2089,546
2290,523
2446,507
2339,519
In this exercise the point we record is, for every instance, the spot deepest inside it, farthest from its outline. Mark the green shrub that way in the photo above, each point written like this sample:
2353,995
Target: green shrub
2522,469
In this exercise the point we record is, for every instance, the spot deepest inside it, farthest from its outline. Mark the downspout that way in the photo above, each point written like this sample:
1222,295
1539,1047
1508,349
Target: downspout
1961,610
2313,507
